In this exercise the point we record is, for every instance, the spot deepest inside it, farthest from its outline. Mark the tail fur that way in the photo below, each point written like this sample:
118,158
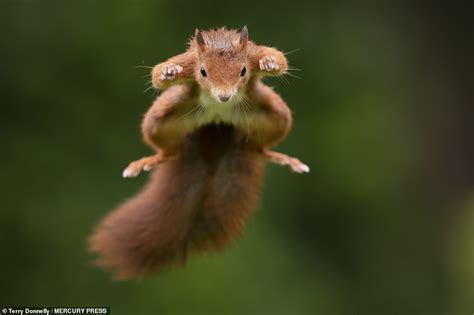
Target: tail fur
198,203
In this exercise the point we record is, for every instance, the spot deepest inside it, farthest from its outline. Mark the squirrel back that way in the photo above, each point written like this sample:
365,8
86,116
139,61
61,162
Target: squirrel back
197,203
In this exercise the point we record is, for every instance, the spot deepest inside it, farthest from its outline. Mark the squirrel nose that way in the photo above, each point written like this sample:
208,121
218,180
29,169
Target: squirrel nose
224,97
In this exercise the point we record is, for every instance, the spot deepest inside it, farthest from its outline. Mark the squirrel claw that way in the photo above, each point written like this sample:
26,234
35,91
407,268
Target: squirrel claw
296,165
299,167
127,173
170,71
268,63
134,170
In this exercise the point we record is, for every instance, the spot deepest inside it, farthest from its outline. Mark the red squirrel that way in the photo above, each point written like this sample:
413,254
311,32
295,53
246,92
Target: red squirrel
212,128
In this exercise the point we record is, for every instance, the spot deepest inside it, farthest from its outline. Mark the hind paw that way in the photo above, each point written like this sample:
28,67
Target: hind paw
297,166
143,164
282,159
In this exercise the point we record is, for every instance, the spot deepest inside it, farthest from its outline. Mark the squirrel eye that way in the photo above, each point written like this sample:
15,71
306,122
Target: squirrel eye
203,72
243,72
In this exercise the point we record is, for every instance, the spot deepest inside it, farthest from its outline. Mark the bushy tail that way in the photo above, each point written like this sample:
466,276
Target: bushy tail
198,203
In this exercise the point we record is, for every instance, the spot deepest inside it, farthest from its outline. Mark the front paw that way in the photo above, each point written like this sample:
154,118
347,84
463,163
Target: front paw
169,71
268,63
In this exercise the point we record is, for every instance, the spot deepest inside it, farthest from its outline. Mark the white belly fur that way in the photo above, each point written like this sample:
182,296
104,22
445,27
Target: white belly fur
217,112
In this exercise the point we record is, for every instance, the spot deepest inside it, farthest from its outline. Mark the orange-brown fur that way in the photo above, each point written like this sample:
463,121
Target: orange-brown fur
210,173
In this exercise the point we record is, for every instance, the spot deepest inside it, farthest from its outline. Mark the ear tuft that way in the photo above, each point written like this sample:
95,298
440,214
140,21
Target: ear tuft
244,36
200,39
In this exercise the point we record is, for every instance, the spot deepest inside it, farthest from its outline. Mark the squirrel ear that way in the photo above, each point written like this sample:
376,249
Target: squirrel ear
200,40
244,36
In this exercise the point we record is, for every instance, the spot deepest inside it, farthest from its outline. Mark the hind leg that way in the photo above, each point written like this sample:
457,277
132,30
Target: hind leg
282,159
146,163
273,121
163,130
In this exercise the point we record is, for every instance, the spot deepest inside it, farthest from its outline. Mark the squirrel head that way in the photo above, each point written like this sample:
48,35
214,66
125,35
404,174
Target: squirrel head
222,68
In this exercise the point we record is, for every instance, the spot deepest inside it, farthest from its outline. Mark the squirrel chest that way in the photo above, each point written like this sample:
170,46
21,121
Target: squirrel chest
213,111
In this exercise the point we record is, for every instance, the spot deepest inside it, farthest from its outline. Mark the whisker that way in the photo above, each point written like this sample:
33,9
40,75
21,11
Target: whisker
200,112
147,67
157,90
188,113
148,88
241,103
246,102
293,69
284,79
280,78
293,51
248,106
292,75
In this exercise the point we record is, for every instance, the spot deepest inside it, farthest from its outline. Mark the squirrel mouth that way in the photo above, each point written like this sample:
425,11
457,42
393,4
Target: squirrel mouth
224,97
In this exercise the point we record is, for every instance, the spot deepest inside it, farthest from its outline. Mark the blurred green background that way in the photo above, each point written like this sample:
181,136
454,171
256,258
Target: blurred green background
383,114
